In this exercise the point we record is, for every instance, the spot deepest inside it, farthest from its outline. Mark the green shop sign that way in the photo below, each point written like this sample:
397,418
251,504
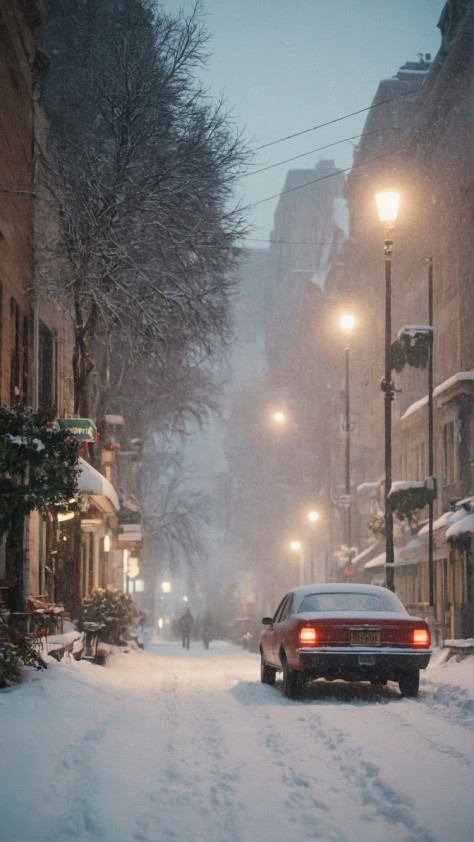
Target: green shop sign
82,428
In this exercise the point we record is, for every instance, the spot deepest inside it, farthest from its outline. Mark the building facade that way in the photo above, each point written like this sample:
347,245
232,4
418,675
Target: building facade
427,139
56,559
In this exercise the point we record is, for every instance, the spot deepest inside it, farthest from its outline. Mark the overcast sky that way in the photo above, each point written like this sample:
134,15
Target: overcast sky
286,66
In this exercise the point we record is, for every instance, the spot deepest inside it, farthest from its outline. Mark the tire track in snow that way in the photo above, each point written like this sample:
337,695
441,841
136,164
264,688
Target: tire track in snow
432,733
191,788
288,773
350,776
382,800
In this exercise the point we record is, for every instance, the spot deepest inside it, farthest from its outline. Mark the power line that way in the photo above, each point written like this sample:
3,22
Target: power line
292,242
322,178
336,120
320,149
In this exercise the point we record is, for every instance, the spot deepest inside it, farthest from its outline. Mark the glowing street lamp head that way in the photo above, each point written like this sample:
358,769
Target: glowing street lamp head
295,545
313,516
387,206
279,417
347,322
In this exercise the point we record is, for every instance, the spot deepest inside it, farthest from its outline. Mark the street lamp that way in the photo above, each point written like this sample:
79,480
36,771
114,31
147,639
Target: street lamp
296,546
132,571
387,205
347,325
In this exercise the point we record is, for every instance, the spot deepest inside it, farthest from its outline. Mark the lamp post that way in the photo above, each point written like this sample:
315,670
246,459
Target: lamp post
430,437
387,205
347,325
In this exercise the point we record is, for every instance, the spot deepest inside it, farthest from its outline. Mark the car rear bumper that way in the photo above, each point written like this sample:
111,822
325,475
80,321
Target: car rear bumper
361,662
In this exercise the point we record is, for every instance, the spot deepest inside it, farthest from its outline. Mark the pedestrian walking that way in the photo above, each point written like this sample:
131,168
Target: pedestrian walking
206,629
186,624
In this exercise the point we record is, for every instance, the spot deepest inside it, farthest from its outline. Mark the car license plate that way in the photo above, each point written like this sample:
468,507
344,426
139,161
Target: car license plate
365,637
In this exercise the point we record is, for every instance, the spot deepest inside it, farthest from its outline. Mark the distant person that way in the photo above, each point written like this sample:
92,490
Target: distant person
186,623
206,629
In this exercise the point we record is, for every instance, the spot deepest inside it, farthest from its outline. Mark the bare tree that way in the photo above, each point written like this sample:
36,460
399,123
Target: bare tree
172,513
145,170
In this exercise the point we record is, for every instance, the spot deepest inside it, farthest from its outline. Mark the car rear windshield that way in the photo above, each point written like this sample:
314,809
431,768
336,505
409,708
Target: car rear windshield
353,601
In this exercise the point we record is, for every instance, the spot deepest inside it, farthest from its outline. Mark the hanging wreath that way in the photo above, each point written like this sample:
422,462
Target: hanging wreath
376,524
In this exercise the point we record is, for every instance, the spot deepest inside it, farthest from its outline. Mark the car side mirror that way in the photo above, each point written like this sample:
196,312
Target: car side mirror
267,621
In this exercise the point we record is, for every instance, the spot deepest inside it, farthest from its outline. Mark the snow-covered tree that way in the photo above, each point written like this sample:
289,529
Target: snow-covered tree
173,512
145,166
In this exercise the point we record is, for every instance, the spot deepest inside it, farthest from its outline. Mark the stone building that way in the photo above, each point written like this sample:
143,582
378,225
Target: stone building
36,333
418,139
425,134
35,338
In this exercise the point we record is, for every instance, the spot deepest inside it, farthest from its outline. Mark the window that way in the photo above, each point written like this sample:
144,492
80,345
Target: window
45,397
309,603
20,355
358,601
448,453
283,609
15,365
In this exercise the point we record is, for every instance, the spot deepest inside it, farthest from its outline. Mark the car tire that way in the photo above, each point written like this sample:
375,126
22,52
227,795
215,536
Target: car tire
409,684
292,682
267,673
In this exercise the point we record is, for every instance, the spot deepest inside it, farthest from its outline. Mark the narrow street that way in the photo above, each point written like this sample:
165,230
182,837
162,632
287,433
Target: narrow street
171,745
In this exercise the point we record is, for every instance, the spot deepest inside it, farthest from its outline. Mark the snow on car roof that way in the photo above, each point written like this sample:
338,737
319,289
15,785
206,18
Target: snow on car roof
337,587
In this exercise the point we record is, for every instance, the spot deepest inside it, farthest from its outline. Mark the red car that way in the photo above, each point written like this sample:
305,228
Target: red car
349,632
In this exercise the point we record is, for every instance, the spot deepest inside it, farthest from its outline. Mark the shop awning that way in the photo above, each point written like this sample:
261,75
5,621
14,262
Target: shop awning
463,526
364,555
379,560
446,519
450,525
93,484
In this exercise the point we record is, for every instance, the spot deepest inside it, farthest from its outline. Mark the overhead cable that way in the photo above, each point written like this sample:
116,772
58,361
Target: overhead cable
331,122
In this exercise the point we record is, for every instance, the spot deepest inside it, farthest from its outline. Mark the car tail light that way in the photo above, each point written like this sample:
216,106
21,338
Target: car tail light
308,636
421,637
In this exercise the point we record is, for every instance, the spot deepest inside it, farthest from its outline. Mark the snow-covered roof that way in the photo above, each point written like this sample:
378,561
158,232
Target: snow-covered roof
459,377
451,381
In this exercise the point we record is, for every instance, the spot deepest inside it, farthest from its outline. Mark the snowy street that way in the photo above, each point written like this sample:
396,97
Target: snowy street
173,745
